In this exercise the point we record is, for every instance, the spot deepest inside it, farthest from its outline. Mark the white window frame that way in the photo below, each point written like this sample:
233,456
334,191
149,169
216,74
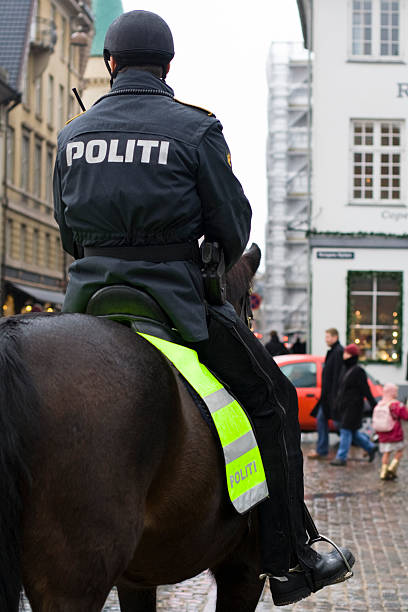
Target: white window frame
377,149
375,55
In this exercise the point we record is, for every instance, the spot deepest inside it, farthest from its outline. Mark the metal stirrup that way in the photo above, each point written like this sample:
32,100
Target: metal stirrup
315,536
322,538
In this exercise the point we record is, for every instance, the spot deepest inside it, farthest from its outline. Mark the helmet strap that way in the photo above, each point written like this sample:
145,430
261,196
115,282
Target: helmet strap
109,70
114,74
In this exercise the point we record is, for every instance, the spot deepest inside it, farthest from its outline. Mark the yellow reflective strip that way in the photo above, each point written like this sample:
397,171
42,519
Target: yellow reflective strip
231,423
244,473
186,360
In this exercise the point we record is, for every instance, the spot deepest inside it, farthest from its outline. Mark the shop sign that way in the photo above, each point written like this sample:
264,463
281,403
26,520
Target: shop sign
335,255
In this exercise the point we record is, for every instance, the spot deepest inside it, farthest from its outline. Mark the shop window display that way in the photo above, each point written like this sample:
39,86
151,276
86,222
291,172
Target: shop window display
375,314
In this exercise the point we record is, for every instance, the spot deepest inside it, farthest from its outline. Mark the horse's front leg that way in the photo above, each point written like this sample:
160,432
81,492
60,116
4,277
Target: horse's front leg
134,600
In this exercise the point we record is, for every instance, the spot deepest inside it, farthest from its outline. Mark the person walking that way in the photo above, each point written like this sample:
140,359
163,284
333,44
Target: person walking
330,381
298,347
138,179
391,441
349,405
275,346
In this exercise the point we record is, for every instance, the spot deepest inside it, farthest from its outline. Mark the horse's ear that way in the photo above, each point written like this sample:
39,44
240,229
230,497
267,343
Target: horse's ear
253,257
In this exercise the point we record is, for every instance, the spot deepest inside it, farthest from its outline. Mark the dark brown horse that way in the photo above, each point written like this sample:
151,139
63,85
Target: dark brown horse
108,473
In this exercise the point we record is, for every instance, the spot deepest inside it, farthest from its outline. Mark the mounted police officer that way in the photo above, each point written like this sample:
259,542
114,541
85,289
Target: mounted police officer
139,178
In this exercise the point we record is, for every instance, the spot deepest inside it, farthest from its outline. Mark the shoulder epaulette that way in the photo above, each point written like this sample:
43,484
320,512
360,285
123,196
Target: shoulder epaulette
72,118
203,110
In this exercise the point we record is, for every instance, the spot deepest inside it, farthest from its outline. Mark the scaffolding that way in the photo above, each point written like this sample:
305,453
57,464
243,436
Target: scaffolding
288,175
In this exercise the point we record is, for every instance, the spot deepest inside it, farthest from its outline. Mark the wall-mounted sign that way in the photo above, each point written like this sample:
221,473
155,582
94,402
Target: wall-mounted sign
335,255
402,90
255,301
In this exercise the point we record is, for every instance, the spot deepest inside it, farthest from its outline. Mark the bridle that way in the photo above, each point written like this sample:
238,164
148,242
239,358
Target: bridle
245,310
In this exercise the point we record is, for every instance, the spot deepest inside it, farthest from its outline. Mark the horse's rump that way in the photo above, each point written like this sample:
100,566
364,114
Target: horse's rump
123,465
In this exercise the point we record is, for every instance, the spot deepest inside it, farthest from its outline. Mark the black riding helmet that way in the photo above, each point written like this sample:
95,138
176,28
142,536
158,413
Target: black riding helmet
138,37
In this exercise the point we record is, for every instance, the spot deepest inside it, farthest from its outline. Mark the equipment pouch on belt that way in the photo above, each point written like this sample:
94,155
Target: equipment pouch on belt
213,272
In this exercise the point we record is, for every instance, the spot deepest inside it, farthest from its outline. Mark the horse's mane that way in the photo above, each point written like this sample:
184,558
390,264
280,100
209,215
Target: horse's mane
239,277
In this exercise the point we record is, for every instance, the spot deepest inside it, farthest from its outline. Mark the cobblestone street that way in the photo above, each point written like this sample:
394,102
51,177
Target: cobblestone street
353,507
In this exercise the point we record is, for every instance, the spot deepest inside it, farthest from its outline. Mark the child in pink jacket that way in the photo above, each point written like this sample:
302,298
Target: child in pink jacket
392,441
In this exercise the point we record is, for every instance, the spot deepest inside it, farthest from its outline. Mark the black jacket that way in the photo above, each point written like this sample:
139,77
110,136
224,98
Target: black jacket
330,379
142,169
276,347
353,388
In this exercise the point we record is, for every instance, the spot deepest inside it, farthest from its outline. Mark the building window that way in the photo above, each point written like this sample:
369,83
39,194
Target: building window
61,105
49,174
71,103
50,100
9,237
23,242
11,148
36,243
375,314
25,86
58,253
38,96
47,249
376,152
362,27
375,29
389,28
64,29
25,160
37,167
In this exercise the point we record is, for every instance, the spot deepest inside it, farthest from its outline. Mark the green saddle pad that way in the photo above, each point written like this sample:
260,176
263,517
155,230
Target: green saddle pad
243,464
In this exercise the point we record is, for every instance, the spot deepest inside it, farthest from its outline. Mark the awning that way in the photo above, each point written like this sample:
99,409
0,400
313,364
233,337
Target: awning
41,295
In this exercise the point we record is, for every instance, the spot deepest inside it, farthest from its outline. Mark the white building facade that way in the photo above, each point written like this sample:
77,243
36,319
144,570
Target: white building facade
286,270
359,211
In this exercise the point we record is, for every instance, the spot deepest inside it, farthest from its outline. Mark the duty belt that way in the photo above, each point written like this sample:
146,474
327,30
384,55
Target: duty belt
187,251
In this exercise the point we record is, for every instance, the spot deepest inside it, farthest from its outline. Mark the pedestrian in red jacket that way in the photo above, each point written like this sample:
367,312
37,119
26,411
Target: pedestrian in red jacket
393,440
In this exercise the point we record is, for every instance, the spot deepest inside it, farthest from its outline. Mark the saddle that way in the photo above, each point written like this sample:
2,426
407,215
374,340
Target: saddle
134,308
245,474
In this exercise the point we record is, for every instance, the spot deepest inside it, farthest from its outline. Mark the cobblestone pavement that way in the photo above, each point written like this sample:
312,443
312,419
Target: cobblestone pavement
353,507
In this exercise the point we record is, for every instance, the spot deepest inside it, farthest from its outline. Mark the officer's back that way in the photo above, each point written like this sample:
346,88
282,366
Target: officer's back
133,161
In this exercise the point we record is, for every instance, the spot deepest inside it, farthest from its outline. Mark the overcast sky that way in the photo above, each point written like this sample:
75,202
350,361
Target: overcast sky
221,48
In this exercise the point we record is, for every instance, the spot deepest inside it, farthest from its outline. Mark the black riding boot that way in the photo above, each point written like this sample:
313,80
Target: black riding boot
243,363
273,513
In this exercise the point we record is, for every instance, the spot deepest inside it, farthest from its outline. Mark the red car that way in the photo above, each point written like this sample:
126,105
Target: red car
305,373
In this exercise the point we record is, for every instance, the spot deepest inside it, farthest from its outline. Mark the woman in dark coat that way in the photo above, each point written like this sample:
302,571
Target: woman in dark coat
349,404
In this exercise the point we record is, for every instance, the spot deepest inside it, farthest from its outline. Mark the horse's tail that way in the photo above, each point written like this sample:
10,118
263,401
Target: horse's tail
18,419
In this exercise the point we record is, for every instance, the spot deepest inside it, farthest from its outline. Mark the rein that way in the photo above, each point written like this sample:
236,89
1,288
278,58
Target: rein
245,310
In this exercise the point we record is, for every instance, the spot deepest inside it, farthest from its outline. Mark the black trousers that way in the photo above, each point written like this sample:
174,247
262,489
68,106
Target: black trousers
234,354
